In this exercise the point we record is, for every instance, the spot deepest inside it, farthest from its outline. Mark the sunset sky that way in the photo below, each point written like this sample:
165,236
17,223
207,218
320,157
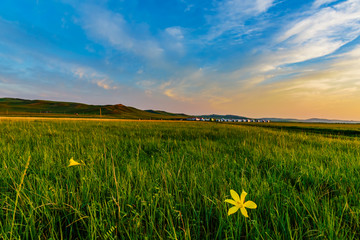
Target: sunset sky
254,58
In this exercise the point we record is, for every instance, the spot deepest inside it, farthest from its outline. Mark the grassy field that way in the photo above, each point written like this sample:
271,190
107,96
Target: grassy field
169,180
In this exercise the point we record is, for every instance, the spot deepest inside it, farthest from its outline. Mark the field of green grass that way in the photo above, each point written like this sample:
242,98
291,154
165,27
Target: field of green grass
169,180
326,129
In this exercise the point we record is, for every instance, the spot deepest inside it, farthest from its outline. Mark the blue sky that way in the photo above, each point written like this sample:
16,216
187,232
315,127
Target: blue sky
257,58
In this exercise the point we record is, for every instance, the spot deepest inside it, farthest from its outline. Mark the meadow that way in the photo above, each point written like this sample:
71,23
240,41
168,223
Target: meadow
169,180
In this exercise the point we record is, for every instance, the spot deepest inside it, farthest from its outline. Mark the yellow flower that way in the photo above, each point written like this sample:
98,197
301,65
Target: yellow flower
239,203
74,163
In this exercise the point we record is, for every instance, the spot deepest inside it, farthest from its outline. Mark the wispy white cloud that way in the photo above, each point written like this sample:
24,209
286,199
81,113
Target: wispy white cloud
92,76
79,72
232,14
196,87
319,3
111,28
158,50
175,32
263,5
105,84
173,39
319,34
28,64
146,84
337,82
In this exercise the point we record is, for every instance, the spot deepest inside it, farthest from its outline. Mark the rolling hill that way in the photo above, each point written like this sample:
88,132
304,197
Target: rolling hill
23,107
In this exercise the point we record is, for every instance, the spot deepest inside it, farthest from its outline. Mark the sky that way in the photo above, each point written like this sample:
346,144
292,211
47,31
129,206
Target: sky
253,58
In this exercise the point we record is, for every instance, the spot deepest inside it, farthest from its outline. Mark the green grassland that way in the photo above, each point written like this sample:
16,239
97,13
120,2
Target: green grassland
169,180
327,129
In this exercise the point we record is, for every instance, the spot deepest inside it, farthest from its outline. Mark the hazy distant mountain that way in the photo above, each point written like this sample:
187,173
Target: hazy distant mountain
314,120
311,120
159,112
16,106
222,116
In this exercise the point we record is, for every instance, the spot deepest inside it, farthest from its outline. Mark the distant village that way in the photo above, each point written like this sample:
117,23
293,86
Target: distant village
227,120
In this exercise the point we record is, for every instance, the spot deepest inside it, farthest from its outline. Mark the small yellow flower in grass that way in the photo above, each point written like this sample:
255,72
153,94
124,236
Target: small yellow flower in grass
74,163
239,203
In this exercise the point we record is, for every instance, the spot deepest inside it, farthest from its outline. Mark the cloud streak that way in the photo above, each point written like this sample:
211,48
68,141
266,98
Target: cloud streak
232,14
111,28
321,33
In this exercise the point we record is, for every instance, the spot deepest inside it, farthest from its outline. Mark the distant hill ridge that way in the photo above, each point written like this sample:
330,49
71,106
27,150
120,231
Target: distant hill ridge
216,116
16,106
24,107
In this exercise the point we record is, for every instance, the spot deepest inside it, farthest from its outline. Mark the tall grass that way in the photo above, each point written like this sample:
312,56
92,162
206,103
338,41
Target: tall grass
169,180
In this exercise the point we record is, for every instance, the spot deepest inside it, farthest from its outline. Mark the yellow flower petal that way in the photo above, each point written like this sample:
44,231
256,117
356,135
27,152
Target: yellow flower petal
233,210
73,163
231,201
244,212
250,204
235,196
243,195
